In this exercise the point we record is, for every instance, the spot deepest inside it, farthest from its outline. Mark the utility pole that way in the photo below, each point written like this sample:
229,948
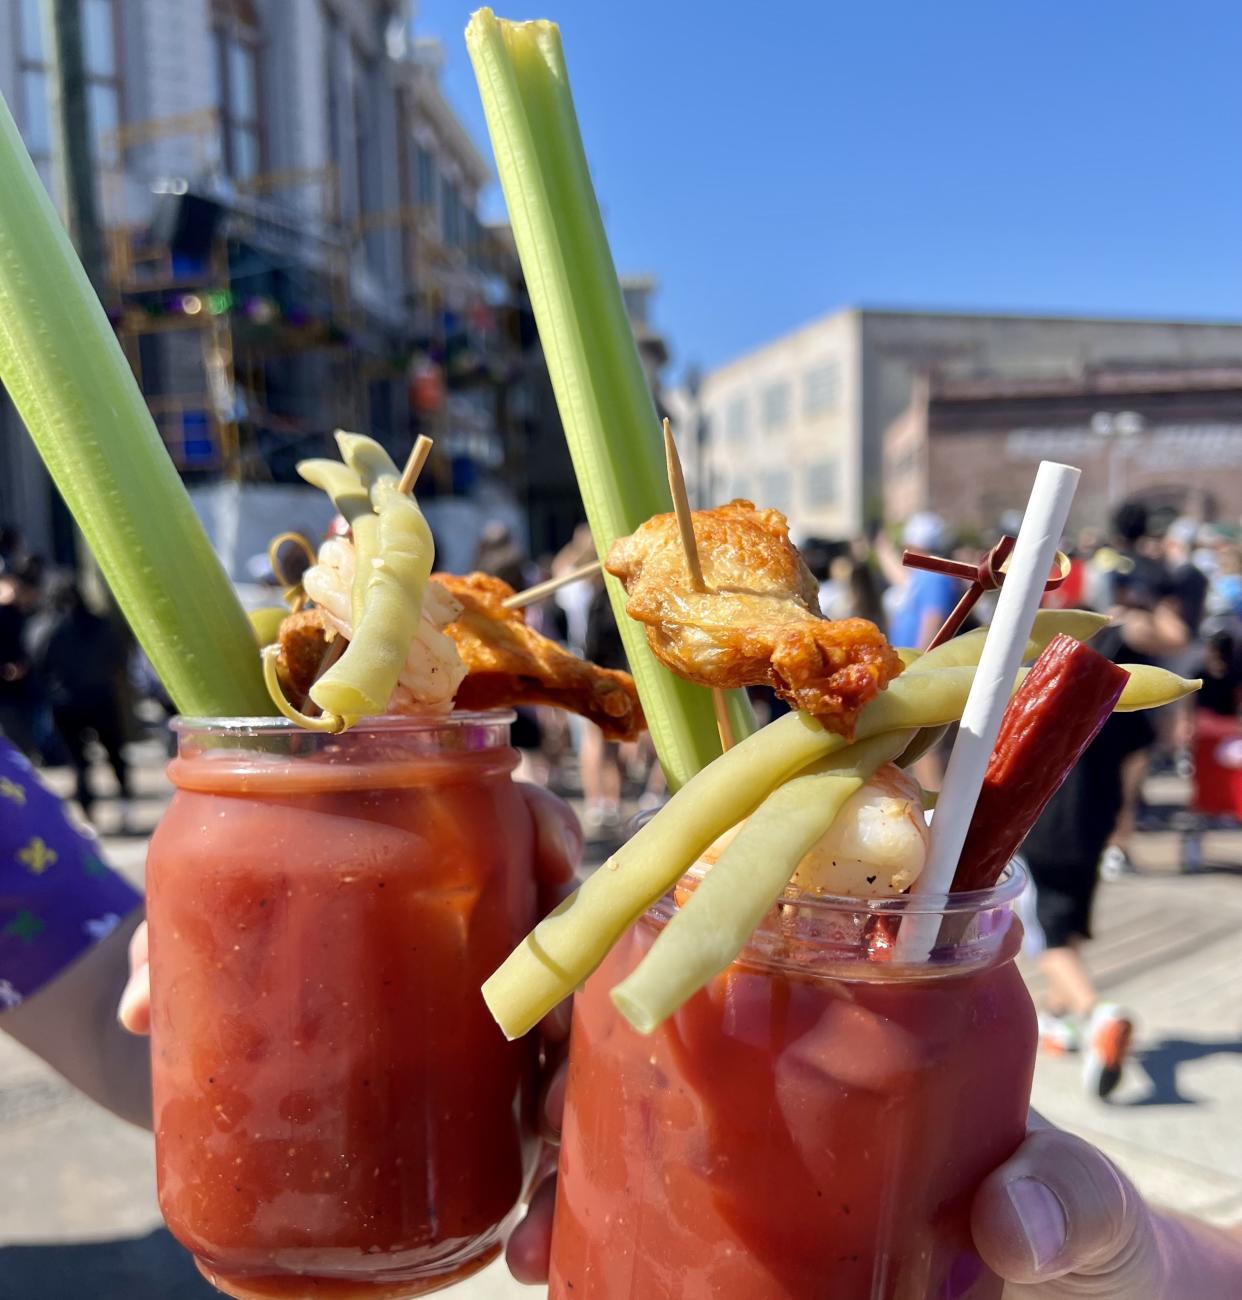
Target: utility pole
71,128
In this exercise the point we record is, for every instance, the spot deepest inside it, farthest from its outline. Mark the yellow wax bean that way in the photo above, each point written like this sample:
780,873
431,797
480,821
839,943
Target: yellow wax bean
366,458
1150,687
361,682
569,943
731,899
964,650
353,502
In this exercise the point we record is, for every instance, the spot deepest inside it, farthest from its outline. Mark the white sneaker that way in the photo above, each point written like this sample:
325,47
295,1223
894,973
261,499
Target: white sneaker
1059,1035
1115,863
1107,1045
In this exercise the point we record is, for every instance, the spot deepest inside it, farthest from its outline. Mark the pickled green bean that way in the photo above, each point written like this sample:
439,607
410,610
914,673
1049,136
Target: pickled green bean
567,945
731,899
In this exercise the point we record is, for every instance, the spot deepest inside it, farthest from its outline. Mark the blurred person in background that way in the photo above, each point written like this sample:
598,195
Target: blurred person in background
852,589
574,599
84,666
602,772
1064,853
500,554
12,548
18,710
1224,594
1149,612
918,602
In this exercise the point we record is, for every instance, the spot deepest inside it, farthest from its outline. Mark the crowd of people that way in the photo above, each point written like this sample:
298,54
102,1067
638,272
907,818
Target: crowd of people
1057,1216
64,671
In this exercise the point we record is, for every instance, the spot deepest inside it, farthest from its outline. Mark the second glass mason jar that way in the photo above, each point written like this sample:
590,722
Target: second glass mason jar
336,1114
812,1125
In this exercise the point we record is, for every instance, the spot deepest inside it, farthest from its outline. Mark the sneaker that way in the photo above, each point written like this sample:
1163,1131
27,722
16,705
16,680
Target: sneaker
1058,1035
1115,863
1108,1043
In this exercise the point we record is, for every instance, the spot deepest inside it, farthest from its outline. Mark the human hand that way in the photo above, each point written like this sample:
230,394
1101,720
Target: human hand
558,851
1058,1221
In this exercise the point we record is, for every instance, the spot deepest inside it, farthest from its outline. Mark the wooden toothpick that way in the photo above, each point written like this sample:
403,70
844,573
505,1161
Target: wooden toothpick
685,526
542,589
414,465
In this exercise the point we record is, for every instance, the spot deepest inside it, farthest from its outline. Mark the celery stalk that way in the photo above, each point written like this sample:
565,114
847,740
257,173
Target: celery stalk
74,389
601,390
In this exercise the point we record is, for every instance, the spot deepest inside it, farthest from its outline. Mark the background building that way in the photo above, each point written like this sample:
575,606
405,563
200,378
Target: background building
799,423
1170,437
291,221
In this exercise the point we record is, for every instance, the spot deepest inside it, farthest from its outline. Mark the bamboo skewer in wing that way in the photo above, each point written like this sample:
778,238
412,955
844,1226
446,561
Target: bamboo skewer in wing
758,622
694,566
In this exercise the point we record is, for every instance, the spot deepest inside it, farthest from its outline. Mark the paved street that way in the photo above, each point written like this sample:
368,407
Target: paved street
78,1219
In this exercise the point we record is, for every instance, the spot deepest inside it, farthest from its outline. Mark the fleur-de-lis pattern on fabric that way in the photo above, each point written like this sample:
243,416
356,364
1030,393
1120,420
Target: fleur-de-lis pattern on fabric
36,857
57,896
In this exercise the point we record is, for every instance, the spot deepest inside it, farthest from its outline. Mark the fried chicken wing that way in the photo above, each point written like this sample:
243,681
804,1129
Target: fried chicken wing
472,645
508,662
758,622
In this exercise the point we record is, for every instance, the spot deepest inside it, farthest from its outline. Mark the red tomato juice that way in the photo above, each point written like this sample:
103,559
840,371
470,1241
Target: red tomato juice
811,1126
336,1114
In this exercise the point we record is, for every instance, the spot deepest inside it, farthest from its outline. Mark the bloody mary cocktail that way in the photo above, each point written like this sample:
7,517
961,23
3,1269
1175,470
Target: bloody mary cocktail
336,1114
810,1126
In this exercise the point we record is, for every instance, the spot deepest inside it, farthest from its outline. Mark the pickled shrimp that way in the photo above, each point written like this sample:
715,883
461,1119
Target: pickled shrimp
433,669
876,848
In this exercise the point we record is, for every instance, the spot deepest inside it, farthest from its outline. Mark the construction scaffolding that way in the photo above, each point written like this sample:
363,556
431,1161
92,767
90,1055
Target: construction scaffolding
213,286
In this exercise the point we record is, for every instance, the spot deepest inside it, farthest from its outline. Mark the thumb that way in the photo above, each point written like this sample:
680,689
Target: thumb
1059,1217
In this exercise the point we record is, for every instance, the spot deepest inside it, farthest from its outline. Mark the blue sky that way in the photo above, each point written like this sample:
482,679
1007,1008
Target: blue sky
772,162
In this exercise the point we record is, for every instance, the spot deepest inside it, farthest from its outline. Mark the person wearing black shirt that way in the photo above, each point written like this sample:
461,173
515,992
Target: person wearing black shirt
1063,852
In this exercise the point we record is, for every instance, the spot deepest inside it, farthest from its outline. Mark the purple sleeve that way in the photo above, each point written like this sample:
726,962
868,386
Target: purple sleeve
57,897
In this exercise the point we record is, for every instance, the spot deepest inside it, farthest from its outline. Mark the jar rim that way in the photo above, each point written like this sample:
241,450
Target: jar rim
834,935
385,724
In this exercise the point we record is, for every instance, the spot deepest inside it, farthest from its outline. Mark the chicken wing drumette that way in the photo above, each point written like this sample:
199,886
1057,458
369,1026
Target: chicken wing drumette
759,620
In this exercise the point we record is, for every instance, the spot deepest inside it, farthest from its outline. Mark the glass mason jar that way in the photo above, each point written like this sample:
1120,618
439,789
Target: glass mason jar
335,1111
813,1124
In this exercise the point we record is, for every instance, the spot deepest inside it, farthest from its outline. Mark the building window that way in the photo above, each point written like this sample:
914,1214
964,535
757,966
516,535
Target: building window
103,81
777,491
821,388
425,176
450,214
735,420
34,111
774,407
822,484
236,35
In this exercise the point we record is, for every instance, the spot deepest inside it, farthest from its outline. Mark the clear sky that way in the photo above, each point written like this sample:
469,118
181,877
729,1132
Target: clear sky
771,162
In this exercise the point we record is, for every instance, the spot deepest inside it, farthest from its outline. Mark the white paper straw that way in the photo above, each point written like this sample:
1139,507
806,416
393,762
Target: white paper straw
1033,554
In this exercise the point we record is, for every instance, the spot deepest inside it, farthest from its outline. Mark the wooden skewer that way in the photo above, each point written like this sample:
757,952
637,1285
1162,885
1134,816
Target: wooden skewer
414,465
685,525
542,589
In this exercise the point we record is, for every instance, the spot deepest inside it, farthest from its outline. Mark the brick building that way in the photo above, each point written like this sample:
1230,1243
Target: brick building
1170,437
799,422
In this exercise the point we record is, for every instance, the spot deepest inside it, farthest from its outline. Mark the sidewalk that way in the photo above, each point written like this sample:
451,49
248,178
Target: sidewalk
79,1218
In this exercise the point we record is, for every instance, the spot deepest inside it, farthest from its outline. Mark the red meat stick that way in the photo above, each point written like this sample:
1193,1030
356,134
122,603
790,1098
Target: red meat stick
1056,713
